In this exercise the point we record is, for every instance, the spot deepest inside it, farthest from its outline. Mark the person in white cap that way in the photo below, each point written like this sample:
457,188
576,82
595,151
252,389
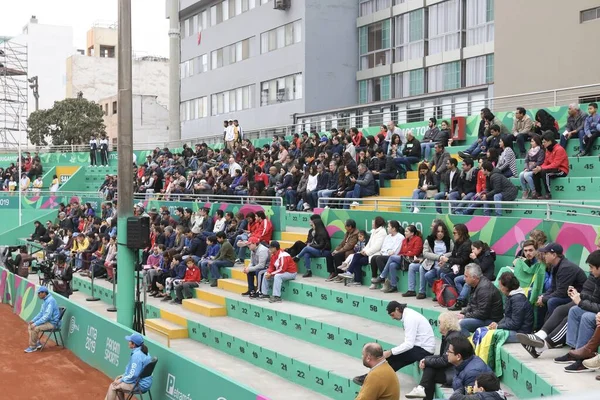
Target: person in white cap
48,318
137,362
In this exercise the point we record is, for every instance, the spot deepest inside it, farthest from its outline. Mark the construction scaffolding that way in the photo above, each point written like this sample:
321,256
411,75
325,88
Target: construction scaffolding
13,93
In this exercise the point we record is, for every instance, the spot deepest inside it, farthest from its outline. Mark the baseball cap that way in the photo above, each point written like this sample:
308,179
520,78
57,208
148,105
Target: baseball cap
324,138
275,244
42,289
254,240
135,338
140,205
552,248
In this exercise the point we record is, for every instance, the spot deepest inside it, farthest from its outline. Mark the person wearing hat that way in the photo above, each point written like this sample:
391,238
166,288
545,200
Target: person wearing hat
259,257
140,357
419,341
281,268
48,318
63,275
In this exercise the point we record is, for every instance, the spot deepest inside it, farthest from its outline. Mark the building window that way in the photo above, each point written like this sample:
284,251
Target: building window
480,21
409,83
114,107
363,98
444,26
232,100
374,45
444,77
280,37
194,109
489,68
367,7
410,43
376,89
590,15
280,90
231,54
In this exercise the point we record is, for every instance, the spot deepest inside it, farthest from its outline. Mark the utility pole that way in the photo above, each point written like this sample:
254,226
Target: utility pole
35,88
125,255
174,61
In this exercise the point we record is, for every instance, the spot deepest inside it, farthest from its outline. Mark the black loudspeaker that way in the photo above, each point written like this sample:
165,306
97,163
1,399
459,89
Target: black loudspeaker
138,232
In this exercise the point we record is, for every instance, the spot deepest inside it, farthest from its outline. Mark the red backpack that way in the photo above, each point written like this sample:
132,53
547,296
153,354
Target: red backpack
445,294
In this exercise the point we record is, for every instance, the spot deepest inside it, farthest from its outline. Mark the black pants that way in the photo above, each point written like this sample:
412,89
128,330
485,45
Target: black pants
521,139
411,356
430,377
93,157
104,157
334,262
589,142
556,325
378,264
296,248
544,176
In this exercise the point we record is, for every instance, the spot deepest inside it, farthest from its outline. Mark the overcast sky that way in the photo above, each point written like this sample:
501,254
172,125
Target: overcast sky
150,27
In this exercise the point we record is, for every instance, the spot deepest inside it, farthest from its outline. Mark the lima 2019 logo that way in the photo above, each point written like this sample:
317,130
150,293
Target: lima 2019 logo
175,394
73,325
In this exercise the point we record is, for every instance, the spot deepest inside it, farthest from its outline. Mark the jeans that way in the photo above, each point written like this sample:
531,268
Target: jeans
243,237
498,206
277,282
469,325
475,148
580,135
426,149
413,268
580,327
441,196
418,194
460,209
204,268
430,276
184,290
526,178
405,163
290,198
215,266
324,193
464,290
390,270
310,252
356,266
251,275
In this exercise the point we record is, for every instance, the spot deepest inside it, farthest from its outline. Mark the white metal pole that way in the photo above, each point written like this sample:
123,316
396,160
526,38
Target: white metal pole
19,166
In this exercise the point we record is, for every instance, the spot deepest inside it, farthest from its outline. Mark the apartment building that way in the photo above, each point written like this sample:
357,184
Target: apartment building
251,61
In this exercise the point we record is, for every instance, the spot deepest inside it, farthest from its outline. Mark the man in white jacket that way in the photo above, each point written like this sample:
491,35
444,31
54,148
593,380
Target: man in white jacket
419,341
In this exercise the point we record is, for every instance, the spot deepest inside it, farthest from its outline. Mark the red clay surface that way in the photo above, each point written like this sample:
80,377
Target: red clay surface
54,373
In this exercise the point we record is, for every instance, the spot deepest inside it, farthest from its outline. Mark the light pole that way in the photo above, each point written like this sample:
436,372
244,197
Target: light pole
35,88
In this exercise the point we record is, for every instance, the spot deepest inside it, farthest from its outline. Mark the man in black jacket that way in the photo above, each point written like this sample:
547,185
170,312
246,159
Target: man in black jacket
485,304
499,188
389,171
467,184
450,179
411,153
331,185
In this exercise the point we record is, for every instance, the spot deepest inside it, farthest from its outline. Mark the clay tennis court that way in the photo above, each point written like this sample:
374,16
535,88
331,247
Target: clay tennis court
54,373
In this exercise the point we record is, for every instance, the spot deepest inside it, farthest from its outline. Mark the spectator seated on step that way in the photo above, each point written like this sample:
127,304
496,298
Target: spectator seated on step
482,134
482,255
419,341
588,353
361,243
191,280
575,127
411,153
436,245
195,246
487,387
499,188
391,247
281,268
212,250
219,225
535,158
387,167
412,247
437,368
373,247
331,184
468,366
244,235
317,245
434,135
555,165
38,232
522,129
364,184
507,161
261,229
591,129
382,382
451,181
174,276
485,304
467,184
518,311
343,250
225,259
259,261
453,266
153,265
427,187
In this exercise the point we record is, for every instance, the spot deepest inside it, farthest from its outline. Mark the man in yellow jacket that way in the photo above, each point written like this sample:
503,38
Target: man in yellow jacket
381,382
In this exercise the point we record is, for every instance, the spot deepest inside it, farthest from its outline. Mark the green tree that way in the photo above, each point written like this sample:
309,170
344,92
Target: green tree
68,122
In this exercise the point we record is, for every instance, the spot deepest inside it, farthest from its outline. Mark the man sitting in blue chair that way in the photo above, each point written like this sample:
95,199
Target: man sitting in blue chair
47,319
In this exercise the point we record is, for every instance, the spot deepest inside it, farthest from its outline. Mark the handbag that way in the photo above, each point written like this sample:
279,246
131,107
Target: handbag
404,263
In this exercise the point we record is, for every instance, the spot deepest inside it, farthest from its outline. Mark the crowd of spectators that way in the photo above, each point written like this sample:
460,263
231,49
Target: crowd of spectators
31,175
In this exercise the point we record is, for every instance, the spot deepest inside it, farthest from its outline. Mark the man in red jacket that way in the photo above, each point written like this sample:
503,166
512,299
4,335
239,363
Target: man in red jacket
556,165
282,268
190,281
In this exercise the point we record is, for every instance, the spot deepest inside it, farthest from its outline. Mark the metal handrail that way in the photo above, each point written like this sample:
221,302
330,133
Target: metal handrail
160,331
212,198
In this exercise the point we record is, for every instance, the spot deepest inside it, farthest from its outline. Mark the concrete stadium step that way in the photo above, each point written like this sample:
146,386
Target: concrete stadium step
205,308
404,183
363,207
233,285
396,192
174,331
297,219
293,236
268,384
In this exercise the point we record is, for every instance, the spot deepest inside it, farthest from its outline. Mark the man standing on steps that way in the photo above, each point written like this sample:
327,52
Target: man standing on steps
382,383
419,341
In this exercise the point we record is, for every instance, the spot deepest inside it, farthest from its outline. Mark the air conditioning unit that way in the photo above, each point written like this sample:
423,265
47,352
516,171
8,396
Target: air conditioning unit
282,4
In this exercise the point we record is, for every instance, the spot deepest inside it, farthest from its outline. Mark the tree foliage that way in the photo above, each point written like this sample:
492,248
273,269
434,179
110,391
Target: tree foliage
68,122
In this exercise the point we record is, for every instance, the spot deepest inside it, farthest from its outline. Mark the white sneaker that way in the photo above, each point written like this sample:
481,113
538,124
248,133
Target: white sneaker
417,393
355,203
347,275
592,363
416,210
373,286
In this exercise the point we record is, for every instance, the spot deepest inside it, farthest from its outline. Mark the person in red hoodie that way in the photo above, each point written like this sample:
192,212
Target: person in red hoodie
281,268
262,229
556,165
190,280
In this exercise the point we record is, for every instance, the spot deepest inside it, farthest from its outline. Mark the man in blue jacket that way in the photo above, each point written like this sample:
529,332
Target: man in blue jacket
47,318
468,366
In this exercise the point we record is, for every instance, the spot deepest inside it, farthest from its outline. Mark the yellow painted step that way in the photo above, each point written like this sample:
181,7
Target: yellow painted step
205,308
238,275
378,208
173,318
412,175
233,285
174,331
246,262
210,297
404,183
285,244
396,192
293,236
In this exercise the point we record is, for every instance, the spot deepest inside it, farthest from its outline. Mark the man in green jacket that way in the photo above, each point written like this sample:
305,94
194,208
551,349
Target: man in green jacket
224,259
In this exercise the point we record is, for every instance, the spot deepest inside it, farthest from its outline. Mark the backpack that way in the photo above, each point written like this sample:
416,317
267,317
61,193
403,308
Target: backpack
445,294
